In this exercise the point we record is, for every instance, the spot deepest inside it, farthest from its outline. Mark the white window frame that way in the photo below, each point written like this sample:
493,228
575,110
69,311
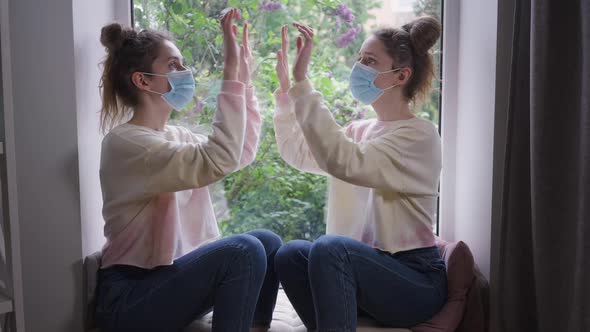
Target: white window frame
448,117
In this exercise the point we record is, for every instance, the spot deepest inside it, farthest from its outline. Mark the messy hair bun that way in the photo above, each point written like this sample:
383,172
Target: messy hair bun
424,32
128,51
112,36
409,47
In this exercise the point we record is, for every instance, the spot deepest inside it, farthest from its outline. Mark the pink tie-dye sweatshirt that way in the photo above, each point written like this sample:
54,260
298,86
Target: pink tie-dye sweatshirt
383,174
156,204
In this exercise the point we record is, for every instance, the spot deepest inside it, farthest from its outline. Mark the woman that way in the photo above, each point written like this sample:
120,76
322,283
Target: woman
164,263
379,257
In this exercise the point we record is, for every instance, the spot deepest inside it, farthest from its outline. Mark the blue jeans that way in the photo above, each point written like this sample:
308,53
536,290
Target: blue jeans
334,278
234,276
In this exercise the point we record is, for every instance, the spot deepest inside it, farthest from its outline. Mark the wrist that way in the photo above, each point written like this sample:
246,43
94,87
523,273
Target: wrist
284,88
299,78
246,80
230,75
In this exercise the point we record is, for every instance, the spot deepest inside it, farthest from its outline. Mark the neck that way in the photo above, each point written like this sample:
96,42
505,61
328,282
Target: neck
151,116
392,107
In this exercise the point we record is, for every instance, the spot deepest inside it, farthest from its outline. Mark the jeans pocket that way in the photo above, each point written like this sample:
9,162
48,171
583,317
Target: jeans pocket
437,265
424,265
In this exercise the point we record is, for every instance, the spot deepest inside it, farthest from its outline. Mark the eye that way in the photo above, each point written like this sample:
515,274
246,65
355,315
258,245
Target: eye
366,61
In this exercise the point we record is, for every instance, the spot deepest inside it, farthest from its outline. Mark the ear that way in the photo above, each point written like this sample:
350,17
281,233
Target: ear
140,81
404,75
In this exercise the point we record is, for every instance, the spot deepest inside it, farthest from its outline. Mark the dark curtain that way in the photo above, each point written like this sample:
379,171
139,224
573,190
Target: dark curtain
543,272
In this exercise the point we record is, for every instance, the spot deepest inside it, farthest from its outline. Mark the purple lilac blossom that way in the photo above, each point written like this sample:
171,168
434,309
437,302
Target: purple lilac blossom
197,109
344,13
360,113
270,6
348,37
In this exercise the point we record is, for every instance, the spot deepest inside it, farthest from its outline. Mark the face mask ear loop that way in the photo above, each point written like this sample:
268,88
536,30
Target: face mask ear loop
158,93
391,87
154,74
389,71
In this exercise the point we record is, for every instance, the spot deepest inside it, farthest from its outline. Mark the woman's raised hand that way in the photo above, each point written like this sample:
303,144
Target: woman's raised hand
282,66
245,58
230,45
303,51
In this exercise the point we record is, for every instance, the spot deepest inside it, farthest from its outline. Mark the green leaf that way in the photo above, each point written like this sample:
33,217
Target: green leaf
177,7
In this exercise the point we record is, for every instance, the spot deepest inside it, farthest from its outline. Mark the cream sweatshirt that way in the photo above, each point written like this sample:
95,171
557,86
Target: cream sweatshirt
156,204
384,175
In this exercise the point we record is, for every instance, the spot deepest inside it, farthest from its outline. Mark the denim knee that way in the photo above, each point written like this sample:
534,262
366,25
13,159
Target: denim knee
291,254
328,247
253,249
269,240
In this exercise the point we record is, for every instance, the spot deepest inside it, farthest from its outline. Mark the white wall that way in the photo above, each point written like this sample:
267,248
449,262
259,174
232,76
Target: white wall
54,49
86,48
471,128
89,17
45,137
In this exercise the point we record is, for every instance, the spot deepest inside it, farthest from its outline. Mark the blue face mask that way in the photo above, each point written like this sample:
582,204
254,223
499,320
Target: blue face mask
362,83
182,85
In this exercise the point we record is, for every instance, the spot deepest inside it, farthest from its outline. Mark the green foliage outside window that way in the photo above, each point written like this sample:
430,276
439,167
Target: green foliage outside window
270,194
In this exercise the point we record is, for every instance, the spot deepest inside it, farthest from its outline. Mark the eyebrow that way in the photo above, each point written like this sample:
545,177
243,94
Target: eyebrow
371,54
175,58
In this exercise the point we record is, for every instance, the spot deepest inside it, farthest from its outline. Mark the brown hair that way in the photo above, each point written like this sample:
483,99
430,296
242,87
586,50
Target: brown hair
128,51
409,46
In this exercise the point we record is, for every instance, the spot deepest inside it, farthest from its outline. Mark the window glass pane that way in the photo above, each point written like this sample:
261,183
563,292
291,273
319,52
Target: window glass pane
270,194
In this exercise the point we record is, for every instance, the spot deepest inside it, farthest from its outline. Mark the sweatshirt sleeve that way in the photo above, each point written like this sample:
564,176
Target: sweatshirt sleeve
174,166
253,123
291,143
405,160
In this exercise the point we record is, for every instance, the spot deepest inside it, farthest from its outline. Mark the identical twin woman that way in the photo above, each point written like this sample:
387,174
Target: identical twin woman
165,262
